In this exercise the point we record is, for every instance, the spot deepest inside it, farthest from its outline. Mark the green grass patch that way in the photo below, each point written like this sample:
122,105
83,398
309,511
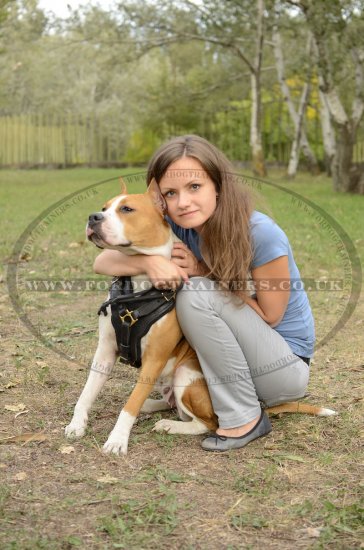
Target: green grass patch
297,488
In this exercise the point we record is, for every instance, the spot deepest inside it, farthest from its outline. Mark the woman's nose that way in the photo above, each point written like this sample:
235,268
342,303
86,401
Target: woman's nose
183,200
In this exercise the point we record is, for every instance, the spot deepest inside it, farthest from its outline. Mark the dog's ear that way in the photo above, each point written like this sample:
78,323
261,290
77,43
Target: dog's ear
124,190
157,197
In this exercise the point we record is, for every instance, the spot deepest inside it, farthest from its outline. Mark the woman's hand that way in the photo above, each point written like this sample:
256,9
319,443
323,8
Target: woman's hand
164,273
184,258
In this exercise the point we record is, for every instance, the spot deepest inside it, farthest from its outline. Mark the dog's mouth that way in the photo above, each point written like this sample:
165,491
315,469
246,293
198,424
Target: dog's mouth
94,237
89,233
98,240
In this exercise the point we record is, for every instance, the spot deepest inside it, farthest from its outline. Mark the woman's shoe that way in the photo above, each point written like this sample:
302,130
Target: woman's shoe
215,442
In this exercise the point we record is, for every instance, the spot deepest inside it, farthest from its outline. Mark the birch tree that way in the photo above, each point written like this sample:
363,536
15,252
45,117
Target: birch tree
338,31
300,140
236,27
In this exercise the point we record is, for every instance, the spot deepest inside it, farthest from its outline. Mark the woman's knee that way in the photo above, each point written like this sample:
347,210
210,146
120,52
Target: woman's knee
192,295
193,301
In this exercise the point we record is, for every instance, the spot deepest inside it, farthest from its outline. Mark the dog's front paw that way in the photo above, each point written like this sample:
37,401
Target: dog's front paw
164,425
76,428
116,445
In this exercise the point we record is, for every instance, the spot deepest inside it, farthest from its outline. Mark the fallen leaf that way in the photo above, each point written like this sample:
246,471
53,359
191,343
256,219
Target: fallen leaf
271,447
2,466
24,438
21,476
314,532
67,449
108,479
20,413
15,408
25,257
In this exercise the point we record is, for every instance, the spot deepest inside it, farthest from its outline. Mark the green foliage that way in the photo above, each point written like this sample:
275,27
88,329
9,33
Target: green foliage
4,9
145,71
141,145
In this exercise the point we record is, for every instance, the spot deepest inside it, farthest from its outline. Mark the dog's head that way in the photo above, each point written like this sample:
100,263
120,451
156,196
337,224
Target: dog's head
130,222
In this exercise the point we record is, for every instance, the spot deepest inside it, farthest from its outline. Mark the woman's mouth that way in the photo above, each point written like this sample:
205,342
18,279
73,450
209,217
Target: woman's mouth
188,213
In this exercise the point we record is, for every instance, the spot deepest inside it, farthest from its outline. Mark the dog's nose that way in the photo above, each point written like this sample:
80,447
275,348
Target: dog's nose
95,218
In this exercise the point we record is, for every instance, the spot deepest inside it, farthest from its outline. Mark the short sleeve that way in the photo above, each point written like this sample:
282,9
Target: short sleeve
269,242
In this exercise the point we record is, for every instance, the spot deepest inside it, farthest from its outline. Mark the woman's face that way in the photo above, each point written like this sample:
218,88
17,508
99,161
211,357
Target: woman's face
189,192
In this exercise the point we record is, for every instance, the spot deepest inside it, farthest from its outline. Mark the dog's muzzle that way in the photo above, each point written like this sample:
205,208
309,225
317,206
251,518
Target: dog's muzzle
94,221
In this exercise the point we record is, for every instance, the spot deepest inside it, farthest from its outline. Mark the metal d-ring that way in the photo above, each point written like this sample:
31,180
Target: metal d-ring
128,315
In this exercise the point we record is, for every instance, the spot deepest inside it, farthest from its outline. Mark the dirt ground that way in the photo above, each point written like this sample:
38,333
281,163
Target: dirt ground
299,487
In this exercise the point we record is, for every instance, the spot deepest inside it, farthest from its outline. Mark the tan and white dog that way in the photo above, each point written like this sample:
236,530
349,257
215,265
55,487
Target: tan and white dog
134,224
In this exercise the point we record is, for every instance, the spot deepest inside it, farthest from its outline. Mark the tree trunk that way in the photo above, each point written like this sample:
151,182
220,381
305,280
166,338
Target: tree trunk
300,138
328,134
295,150
346,177
259,167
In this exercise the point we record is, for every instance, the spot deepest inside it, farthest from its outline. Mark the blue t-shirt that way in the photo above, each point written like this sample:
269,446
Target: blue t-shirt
269,243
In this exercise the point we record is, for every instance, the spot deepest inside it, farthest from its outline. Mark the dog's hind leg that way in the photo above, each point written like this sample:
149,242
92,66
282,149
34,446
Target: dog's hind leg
155,405
101,368
195,427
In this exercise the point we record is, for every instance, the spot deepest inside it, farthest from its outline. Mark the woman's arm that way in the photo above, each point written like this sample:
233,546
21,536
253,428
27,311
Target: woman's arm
272,284
162,272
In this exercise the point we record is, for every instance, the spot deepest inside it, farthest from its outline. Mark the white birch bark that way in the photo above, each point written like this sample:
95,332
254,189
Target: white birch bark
256,115
328,133
295,150
345,176
300,138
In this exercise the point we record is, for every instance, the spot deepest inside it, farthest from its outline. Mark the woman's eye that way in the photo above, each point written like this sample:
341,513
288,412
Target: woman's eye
195,186
126,209
169,194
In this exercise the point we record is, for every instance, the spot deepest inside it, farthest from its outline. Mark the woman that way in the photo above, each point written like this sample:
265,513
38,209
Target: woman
251,348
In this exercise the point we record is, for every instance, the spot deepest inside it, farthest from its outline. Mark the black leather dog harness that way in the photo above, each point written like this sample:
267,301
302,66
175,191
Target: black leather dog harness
133,313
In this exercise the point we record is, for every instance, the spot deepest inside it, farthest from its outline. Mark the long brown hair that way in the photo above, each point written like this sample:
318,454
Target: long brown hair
226,241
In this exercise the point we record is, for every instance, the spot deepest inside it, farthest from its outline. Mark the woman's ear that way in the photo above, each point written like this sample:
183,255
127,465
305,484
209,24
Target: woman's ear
157,197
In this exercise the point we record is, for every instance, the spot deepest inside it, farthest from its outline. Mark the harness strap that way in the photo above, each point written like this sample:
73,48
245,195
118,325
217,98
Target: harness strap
132,315
143,296
129,318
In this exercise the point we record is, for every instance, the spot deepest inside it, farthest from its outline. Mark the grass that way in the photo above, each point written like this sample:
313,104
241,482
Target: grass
300,487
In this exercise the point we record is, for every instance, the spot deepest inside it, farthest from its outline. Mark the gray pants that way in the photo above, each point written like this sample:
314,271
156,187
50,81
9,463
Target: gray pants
243,359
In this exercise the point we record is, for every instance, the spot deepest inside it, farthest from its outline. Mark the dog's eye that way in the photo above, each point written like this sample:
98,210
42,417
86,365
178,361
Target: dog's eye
103,209
126,209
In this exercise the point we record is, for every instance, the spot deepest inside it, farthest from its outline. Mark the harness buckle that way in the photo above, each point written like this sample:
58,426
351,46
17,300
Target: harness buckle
172,297
128,315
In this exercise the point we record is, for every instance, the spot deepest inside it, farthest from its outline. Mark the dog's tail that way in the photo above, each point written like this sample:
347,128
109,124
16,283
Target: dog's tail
302,408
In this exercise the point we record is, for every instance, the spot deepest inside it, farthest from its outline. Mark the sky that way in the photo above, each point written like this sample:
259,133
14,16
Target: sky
60,9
